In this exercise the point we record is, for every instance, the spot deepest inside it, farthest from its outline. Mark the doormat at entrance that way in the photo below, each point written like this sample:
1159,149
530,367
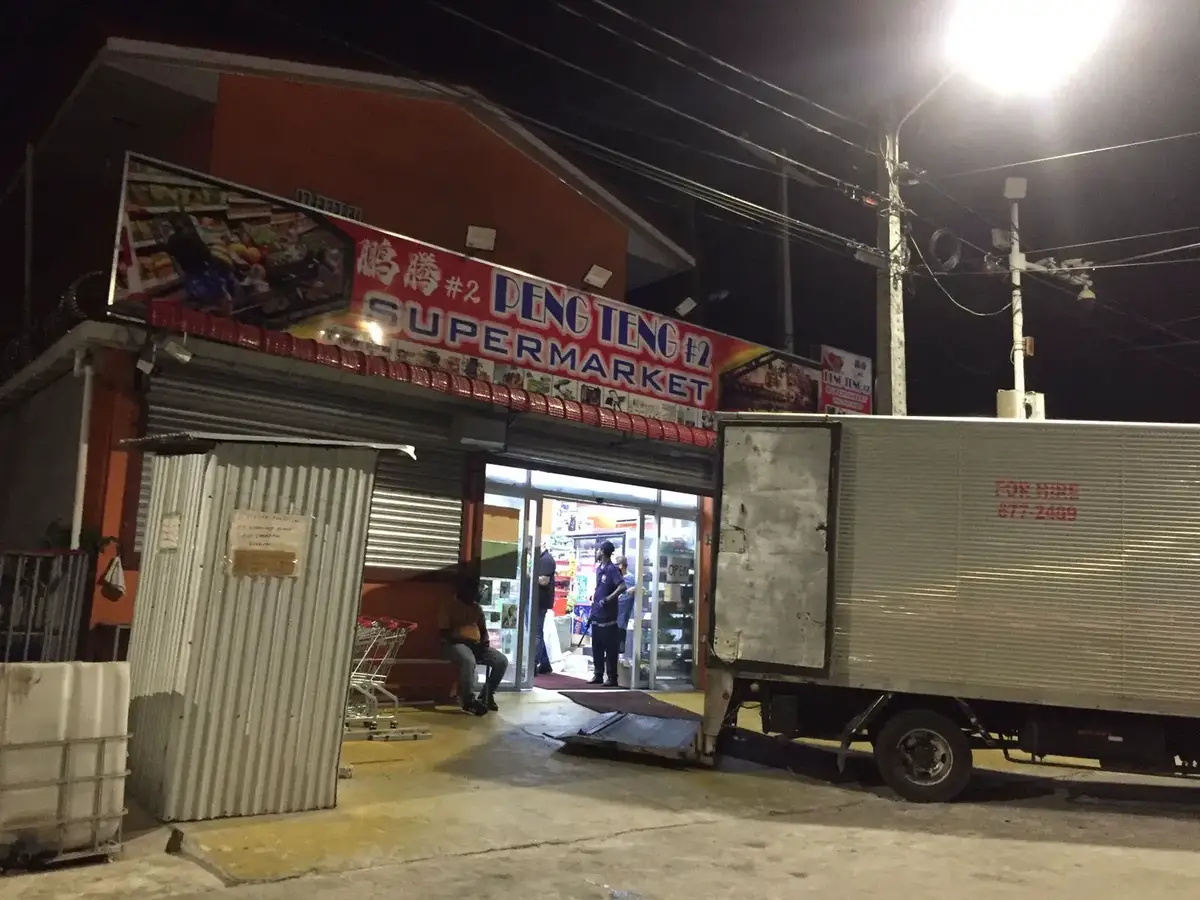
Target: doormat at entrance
633,702
556,681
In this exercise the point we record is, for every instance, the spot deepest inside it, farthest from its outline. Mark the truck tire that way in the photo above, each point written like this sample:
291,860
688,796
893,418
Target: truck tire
923,756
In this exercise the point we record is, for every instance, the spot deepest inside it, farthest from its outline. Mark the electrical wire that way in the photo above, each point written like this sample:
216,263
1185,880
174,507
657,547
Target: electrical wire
1038,278
1153,253
727,65
792,236
1119,240
1096,267
697,190
1076,154
770,214
683,145
949,296
752,229
681,64
847,187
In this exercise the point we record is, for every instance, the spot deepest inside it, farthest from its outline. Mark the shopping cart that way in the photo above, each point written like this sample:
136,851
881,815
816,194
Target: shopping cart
376,644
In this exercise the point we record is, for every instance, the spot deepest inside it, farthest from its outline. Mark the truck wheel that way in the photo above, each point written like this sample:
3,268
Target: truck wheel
923,756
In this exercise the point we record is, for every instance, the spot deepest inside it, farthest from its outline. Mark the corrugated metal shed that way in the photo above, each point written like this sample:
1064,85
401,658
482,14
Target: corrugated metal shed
239,683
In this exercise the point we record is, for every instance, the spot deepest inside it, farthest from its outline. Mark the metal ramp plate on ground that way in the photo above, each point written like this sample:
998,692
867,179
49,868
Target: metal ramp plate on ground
665,738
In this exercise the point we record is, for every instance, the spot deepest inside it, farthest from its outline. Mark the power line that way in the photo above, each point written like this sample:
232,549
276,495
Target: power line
853,190
695,189
1073,155
683,145
765,232
700,191
1153,253
764,215
1119,240
1038,278
1094,267
671,59
949,296
728,65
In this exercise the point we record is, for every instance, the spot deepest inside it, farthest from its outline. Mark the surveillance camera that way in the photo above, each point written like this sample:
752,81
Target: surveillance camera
178,352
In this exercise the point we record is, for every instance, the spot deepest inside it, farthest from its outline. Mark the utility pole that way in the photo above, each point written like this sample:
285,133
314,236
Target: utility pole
785,256
891,389
1074,272
1014,191
786,172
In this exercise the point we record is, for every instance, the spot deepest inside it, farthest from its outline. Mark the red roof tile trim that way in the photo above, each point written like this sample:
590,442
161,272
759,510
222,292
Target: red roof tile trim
172,317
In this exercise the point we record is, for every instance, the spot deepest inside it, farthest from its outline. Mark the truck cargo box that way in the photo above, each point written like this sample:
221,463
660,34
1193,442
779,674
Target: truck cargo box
1039,562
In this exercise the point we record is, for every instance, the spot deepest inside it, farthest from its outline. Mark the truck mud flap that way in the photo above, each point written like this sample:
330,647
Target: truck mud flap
618,732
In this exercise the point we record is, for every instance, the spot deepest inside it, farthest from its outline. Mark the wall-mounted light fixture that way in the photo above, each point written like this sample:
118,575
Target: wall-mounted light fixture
480,238
597,277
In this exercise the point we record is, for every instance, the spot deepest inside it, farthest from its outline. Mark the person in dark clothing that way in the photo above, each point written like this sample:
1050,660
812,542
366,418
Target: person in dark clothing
609,585
543,576
465,643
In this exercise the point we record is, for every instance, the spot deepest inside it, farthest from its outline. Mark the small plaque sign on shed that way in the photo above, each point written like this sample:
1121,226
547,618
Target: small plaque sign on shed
266,544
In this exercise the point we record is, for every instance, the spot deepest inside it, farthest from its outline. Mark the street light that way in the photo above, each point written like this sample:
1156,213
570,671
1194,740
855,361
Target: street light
1014,47
1026,46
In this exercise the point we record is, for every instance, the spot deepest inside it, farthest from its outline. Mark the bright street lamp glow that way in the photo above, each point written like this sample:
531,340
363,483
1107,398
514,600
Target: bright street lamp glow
1026,46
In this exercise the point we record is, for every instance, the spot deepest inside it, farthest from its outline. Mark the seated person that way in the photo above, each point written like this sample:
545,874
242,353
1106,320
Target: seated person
465,643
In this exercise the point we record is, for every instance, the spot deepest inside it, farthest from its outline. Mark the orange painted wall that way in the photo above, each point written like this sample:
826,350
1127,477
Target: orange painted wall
422,168
116,414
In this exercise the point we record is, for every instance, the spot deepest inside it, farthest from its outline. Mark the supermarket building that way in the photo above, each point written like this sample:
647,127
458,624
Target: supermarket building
235,154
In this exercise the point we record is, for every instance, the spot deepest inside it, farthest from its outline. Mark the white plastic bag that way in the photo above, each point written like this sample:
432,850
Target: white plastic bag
550,635
113,581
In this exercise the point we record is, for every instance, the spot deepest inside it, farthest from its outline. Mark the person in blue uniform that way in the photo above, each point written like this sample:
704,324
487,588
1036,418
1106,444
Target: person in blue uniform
610,583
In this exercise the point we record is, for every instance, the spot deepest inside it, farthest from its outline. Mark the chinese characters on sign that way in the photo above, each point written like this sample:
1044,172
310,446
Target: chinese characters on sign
846,382
1039,501
190,240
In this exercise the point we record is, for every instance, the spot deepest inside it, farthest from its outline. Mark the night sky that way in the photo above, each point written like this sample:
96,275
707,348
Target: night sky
1127,356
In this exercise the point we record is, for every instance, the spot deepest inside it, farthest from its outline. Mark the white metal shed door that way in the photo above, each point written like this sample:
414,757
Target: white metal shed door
772,594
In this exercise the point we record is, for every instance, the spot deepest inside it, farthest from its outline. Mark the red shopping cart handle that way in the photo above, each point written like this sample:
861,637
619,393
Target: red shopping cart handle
387,624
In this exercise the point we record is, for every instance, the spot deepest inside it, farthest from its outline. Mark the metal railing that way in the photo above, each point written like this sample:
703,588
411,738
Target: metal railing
42,600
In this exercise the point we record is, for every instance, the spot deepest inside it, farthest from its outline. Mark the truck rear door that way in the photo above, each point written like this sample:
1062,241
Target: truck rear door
772,594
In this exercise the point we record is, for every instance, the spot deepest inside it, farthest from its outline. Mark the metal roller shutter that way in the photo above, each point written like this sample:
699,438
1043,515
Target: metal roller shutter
416,508
612,457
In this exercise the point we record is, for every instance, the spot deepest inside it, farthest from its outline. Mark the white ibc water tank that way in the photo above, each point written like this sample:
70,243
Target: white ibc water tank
61,726
1008,405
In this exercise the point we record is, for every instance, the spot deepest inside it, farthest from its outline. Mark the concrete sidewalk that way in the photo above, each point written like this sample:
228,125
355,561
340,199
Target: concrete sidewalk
496,801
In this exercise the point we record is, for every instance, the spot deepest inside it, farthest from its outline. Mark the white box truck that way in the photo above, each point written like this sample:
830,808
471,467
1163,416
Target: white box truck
934,586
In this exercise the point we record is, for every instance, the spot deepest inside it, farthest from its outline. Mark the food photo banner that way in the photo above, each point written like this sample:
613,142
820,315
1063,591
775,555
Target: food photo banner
228,250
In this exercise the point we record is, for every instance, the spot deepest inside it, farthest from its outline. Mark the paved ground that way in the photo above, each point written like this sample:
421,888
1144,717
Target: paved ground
492,809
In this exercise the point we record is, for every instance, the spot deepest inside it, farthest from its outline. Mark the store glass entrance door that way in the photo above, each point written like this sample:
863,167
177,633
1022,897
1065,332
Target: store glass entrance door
665,638
510,534
528,512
